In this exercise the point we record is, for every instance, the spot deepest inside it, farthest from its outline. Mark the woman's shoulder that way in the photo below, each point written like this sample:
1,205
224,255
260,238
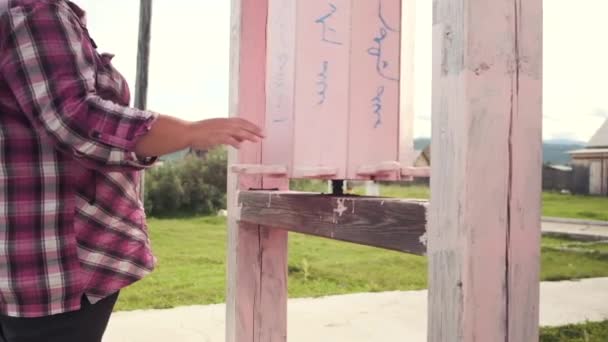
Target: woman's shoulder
30,5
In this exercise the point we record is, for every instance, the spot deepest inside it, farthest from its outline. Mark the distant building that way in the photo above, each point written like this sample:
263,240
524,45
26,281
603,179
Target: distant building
557,177
423,158
591,165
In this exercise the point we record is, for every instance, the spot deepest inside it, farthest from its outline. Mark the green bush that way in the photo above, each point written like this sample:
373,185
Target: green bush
164,191
192,186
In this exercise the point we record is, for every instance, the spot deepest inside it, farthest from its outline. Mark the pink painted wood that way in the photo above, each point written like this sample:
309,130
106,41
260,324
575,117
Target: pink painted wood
418,172
321,87
407,83
280,83
526,158
271,317
256,300
260,169
486,164
327,62
373,127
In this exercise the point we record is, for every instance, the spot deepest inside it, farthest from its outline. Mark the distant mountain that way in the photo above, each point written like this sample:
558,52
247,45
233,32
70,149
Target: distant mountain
564,142
421,143
558,153
555,151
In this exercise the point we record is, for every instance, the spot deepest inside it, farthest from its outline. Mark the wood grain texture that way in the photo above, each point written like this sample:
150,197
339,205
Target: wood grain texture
256,302
232,181
272,317
389,223
485,211
239,302
526,174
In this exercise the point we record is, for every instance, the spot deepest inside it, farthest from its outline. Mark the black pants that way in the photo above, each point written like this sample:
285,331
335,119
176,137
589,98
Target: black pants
85,325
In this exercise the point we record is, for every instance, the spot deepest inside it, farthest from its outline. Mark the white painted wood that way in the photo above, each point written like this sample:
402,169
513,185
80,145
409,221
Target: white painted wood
407,87
486,163
232,188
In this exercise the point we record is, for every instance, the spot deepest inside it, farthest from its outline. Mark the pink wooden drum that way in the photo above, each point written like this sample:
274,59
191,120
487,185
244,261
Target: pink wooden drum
333,86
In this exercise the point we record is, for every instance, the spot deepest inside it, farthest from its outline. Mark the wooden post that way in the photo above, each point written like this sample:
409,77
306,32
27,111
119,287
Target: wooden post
257,256
484,234
143,63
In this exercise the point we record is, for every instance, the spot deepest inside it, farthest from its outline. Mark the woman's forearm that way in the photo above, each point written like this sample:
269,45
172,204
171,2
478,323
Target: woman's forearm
167,135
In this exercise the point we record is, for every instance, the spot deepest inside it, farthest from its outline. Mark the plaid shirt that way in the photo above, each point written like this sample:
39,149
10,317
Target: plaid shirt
71,222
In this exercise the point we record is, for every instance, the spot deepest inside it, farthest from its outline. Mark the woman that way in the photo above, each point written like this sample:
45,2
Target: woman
72,228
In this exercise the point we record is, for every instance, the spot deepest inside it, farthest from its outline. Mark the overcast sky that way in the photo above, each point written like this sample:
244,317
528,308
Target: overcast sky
190,48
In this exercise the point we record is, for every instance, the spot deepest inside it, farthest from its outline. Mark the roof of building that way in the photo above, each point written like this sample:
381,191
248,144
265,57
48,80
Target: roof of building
589,151
560,167
600,139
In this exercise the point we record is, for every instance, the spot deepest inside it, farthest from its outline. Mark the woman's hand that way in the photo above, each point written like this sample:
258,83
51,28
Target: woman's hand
169,134
233,131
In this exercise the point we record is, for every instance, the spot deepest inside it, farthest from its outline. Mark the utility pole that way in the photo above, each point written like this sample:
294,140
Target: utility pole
143,64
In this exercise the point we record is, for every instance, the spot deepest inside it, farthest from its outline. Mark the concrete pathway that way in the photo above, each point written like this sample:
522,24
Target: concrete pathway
367,317
585,229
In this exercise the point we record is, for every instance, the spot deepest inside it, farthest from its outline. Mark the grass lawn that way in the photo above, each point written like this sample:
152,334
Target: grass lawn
589,332
582,207
191,267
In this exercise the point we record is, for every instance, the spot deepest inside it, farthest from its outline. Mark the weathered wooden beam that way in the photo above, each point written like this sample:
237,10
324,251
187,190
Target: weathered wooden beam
484,219
256,302
390,223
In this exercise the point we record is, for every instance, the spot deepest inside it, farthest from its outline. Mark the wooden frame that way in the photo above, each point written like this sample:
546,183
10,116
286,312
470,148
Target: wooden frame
484,216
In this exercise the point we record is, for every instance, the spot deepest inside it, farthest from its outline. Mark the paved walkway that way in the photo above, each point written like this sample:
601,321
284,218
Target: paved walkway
366,317
595,230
